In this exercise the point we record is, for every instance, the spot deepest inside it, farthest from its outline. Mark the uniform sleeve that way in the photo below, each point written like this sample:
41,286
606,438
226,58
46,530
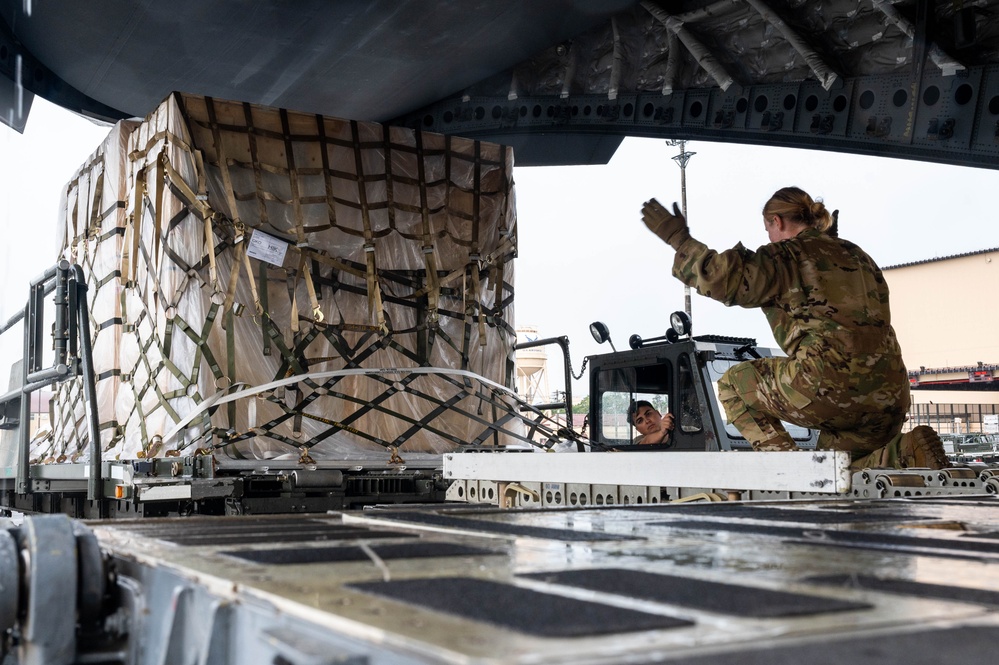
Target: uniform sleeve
737,276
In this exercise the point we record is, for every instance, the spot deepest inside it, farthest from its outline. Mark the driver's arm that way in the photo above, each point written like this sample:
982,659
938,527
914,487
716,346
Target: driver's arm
663,435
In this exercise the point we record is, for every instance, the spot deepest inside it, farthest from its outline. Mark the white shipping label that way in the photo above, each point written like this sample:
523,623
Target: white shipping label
267,248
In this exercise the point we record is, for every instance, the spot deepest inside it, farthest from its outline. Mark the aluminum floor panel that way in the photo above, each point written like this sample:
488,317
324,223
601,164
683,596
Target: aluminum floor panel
491,586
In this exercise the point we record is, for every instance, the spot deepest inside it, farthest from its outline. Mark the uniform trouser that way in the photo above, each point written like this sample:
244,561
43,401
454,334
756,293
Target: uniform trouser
759,394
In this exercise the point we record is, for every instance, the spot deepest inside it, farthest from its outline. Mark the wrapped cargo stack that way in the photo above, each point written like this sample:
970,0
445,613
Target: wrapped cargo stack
269,283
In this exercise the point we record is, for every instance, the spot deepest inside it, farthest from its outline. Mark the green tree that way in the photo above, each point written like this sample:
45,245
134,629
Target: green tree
659,402
614,402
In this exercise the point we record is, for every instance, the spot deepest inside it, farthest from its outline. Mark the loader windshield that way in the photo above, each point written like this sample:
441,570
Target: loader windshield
619,388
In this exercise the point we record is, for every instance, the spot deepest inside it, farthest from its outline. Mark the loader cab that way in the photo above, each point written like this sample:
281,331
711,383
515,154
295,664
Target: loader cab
662,376
678,374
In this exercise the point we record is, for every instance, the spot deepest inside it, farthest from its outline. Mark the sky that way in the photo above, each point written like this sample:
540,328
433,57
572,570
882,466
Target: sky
584,254
34,169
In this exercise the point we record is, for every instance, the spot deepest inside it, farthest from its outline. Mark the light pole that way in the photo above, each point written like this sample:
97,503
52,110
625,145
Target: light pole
682,160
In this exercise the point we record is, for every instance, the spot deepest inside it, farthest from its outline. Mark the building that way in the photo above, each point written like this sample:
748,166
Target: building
945,312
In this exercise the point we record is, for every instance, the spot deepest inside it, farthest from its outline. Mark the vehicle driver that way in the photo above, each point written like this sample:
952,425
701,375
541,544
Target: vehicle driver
653,426
827,304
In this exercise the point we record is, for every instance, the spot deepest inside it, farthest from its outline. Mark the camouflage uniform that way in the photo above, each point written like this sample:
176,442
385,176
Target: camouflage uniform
827,304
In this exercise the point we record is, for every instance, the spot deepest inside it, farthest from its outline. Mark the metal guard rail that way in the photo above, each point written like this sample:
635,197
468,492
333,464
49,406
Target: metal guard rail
73,357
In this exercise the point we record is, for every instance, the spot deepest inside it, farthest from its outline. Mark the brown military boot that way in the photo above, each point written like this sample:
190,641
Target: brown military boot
922,448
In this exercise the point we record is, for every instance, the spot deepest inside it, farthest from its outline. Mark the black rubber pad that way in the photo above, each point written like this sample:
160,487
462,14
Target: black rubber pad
740,527
311,536
504,528
698,594
965,645
306,534
515,608
774,514
218,524
352,553
863,539
910,588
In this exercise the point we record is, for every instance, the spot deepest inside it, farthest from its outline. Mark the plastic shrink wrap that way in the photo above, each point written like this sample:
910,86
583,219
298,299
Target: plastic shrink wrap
232,248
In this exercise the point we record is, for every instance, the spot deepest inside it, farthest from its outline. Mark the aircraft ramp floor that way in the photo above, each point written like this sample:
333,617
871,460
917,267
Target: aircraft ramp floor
863,582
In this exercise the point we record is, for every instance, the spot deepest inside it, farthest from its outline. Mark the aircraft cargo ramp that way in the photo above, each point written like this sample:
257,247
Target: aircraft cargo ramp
844,581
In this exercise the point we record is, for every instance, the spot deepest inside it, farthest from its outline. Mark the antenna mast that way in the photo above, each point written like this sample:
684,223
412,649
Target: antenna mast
682,160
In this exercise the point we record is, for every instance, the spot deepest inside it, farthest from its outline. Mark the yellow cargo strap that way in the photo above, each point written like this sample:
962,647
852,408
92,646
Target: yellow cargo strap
257,306
197,203
261,192
96,218
230,350
296,201
265,340
237,263
213,271
130,251
429,259
161,190
374,289
327,176
497,261
334,263
477,292
166,135
223,161
292,282
199,165
303,269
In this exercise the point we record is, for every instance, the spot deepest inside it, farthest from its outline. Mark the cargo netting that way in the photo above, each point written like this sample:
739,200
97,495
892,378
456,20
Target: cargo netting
266,282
